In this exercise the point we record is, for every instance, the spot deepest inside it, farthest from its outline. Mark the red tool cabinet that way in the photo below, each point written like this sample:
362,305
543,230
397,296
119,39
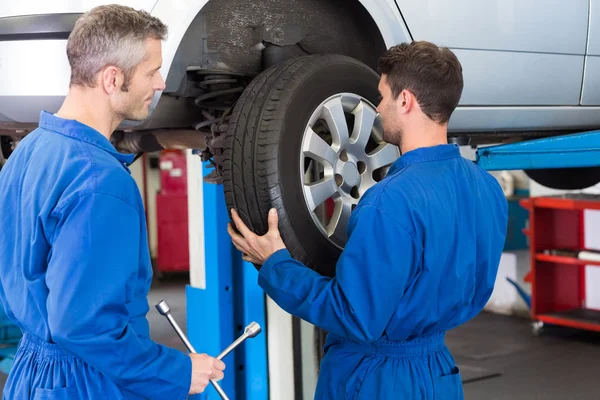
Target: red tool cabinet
556,236
172,214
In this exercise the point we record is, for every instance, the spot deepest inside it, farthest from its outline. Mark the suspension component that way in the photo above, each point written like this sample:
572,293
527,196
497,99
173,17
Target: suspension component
221,92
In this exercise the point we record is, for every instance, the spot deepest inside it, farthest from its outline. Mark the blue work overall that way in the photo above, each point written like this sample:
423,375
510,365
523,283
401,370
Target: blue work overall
422,257
75,272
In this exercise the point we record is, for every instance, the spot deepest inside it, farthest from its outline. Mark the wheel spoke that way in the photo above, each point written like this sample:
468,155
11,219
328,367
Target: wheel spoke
317,148
363,125
343,146
339,222
317,193
333,113
384,156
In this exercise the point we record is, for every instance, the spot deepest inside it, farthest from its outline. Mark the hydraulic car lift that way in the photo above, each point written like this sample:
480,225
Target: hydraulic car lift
223,295
569,151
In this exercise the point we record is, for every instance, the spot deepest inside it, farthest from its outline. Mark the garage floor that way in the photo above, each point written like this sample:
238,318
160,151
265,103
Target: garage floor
498,356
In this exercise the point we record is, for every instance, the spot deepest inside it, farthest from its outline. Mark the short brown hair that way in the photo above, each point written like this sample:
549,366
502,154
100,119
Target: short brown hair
110,35
432,74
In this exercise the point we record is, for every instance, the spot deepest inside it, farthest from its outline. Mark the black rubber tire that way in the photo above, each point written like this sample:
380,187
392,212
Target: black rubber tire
262,148
566,178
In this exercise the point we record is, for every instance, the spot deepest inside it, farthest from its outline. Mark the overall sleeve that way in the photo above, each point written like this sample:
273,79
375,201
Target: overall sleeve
138,309
378,262
94,262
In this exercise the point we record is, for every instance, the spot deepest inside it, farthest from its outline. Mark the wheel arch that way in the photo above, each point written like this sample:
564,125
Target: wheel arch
187,20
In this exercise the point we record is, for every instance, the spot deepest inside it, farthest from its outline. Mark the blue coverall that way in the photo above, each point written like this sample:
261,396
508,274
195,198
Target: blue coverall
422,257
75,272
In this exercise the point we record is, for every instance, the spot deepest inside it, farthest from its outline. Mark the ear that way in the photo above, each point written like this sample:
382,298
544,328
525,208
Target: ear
406,101
111,79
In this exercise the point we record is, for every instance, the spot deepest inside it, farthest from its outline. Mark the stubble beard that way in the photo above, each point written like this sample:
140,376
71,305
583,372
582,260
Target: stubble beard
132,113
393,137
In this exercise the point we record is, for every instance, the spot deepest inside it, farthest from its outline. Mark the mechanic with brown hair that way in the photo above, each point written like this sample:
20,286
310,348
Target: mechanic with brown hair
422,255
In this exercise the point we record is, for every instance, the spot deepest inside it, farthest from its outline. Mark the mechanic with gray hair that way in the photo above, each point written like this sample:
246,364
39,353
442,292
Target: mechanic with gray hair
75,266
422,255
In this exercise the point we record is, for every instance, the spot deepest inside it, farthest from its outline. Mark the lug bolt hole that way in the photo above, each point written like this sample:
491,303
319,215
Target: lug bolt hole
339,180
344,156
362,167
354,192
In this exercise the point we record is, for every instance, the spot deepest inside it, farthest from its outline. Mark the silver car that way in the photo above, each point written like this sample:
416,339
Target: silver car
290,86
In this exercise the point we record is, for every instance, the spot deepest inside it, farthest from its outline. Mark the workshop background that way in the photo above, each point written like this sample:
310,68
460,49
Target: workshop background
531,72
500,353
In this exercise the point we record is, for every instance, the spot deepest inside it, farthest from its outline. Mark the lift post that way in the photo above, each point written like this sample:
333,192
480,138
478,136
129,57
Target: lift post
223,295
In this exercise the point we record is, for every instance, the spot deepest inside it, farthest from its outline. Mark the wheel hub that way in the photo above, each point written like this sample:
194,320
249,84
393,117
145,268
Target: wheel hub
350,176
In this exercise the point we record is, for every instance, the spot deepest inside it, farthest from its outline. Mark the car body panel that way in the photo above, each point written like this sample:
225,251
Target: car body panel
513,52
590,93
546,26
593,44
517,56
30,7
42,65
493,78
473,119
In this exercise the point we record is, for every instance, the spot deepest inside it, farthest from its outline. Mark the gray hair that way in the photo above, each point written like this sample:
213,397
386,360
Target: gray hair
110,35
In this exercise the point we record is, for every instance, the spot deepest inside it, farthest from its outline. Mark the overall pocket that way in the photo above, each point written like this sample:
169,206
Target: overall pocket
55,394
355,390
449,387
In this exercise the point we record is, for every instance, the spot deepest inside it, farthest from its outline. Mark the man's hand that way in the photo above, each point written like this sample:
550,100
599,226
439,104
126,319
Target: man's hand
204,368
256,249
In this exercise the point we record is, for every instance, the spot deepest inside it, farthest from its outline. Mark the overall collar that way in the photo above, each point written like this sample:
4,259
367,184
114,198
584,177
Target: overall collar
424,154
85,133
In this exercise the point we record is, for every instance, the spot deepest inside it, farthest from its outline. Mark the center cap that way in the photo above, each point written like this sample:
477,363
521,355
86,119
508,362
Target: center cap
350,174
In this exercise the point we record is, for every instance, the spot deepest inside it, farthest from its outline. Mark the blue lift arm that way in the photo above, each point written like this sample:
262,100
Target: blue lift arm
568,151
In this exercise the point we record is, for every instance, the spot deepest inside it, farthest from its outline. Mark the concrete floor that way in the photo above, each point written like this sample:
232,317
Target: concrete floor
499,357
559,364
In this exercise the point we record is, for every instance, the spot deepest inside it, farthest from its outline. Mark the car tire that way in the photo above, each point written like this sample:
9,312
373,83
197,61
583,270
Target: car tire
263,151
566,178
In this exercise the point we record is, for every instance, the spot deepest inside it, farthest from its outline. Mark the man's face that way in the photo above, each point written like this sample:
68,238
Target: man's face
388,109
134,98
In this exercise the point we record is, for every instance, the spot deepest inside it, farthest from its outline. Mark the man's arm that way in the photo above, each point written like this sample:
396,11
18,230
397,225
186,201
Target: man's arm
378,263
138,310
93,264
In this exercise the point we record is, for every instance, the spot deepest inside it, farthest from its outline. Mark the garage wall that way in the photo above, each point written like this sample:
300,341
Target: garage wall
153,182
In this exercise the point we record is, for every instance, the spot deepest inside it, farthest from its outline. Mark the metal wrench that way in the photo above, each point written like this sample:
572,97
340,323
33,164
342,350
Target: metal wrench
165,310
252,330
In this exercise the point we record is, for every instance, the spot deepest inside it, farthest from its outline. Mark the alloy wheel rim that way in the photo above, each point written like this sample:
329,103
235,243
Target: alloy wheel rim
342,155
